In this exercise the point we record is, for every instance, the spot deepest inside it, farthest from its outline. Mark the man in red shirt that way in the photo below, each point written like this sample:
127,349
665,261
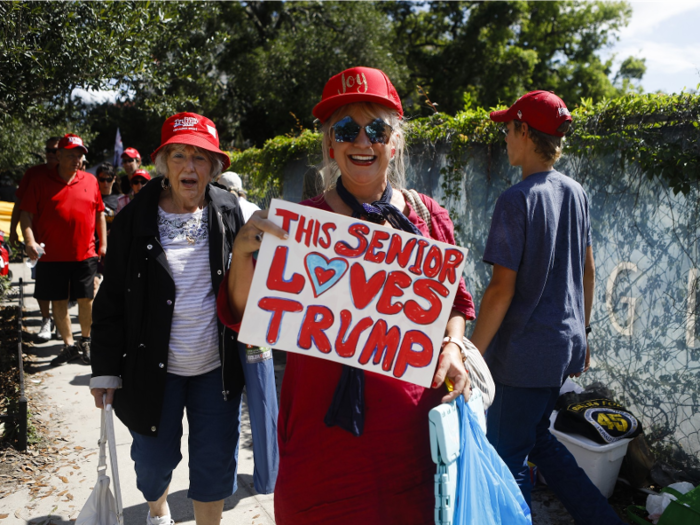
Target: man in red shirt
36,171
63,210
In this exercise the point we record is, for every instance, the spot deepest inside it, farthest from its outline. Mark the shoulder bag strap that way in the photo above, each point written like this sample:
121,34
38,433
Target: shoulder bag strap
414,199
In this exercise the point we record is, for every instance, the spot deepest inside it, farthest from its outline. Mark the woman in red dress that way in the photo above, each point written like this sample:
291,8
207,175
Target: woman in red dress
366,459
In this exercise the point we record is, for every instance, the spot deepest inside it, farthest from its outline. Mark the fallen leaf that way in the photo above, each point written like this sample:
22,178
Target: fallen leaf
79,448
63,478
69,496
256,516
3,516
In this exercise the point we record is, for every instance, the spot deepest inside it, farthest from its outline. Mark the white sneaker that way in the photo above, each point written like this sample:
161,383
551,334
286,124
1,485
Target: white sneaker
45,331
159,520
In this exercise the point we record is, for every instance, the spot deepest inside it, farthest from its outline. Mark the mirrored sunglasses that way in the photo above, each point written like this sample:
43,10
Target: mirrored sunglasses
347,130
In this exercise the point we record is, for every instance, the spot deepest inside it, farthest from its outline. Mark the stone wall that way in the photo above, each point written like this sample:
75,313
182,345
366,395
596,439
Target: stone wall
646,325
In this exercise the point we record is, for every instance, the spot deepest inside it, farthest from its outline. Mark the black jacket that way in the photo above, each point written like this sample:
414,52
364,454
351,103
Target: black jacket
132,313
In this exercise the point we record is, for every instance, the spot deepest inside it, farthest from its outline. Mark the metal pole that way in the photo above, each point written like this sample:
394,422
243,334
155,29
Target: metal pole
22,408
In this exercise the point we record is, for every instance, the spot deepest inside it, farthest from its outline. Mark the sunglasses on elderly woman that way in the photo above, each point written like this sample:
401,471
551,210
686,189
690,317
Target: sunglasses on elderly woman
347,130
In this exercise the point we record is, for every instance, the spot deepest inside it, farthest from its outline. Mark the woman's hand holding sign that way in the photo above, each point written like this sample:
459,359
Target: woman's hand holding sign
248,242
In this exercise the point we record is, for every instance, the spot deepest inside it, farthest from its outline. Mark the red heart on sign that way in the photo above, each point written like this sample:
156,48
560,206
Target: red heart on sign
363,290
324,276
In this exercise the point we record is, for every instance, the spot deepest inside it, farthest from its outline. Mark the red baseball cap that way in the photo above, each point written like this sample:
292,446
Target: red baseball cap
357,84
70,141
193,130
542,110
141,173
132,153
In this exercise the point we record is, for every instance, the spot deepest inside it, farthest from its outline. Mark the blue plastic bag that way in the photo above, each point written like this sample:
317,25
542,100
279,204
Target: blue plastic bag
487,493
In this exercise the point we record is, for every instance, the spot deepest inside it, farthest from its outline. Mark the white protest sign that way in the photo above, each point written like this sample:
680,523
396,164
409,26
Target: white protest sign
352,292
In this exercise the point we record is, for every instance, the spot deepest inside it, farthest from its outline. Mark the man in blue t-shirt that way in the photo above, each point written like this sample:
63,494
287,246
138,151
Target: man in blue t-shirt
534,316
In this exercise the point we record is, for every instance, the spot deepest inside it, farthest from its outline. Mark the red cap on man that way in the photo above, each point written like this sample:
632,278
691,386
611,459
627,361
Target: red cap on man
191,129
132,153
542,110
70,141
357,84
141,173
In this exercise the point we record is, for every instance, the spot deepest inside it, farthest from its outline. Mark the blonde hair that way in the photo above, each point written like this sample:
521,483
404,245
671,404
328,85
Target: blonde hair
548,146
397,166
217,165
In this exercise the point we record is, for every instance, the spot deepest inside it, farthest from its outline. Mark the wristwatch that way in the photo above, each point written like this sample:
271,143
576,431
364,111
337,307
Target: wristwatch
588,329
460,344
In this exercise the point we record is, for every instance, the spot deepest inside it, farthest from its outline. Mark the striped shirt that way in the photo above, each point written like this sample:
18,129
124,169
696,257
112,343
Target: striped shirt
194,339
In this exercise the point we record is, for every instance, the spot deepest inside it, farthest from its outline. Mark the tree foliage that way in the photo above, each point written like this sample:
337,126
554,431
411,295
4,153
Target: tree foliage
496,51
258,68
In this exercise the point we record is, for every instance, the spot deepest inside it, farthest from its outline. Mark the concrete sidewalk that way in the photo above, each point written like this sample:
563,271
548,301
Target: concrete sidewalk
55,493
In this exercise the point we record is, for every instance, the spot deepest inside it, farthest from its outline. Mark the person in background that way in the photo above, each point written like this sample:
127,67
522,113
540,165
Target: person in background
366,459
138,180
260,384
131,161
51,148
105,178
232,182
158,346
63,209
533,321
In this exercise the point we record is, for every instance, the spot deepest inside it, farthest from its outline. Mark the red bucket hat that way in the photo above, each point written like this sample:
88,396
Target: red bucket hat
357,84
193,130
542,110
70,141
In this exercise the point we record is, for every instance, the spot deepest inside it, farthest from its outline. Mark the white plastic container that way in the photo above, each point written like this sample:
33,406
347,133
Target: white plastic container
600,462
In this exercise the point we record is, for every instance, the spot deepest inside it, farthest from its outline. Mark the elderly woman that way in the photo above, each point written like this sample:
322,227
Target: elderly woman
158,347
357,462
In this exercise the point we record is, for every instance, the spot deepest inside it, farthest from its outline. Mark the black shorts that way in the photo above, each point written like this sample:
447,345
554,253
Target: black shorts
57,281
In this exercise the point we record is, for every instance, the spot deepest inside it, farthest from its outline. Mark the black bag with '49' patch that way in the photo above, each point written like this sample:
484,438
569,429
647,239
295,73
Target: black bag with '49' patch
599,419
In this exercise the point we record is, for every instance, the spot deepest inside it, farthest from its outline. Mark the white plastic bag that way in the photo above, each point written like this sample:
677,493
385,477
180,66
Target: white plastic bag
479,373
102,508
657,503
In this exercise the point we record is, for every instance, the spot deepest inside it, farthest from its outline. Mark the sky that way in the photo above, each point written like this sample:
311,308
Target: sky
667,34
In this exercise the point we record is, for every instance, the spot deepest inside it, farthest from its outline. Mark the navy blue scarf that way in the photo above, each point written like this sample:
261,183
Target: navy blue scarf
347,409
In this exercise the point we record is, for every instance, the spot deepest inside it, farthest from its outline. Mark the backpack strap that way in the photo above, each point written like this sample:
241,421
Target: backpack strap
414,199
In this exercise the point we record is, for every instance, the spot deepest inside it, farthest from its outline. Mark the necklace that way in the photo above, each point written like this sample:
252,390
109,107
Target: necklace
191,235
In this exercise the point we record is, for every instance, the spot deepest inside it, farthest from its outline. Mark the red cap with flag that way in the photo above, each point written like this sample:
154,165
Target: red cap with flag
357,84
70,141
191,129
542,110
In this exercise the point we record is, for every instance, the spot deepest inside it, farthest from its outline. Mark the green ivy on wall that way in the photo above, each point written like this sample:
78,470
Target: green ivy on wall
660,133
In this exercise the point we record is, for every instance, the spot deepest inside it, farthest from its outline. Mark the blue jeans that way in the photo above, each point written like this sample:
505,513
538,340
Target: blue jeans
518,428
261,393
213,441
